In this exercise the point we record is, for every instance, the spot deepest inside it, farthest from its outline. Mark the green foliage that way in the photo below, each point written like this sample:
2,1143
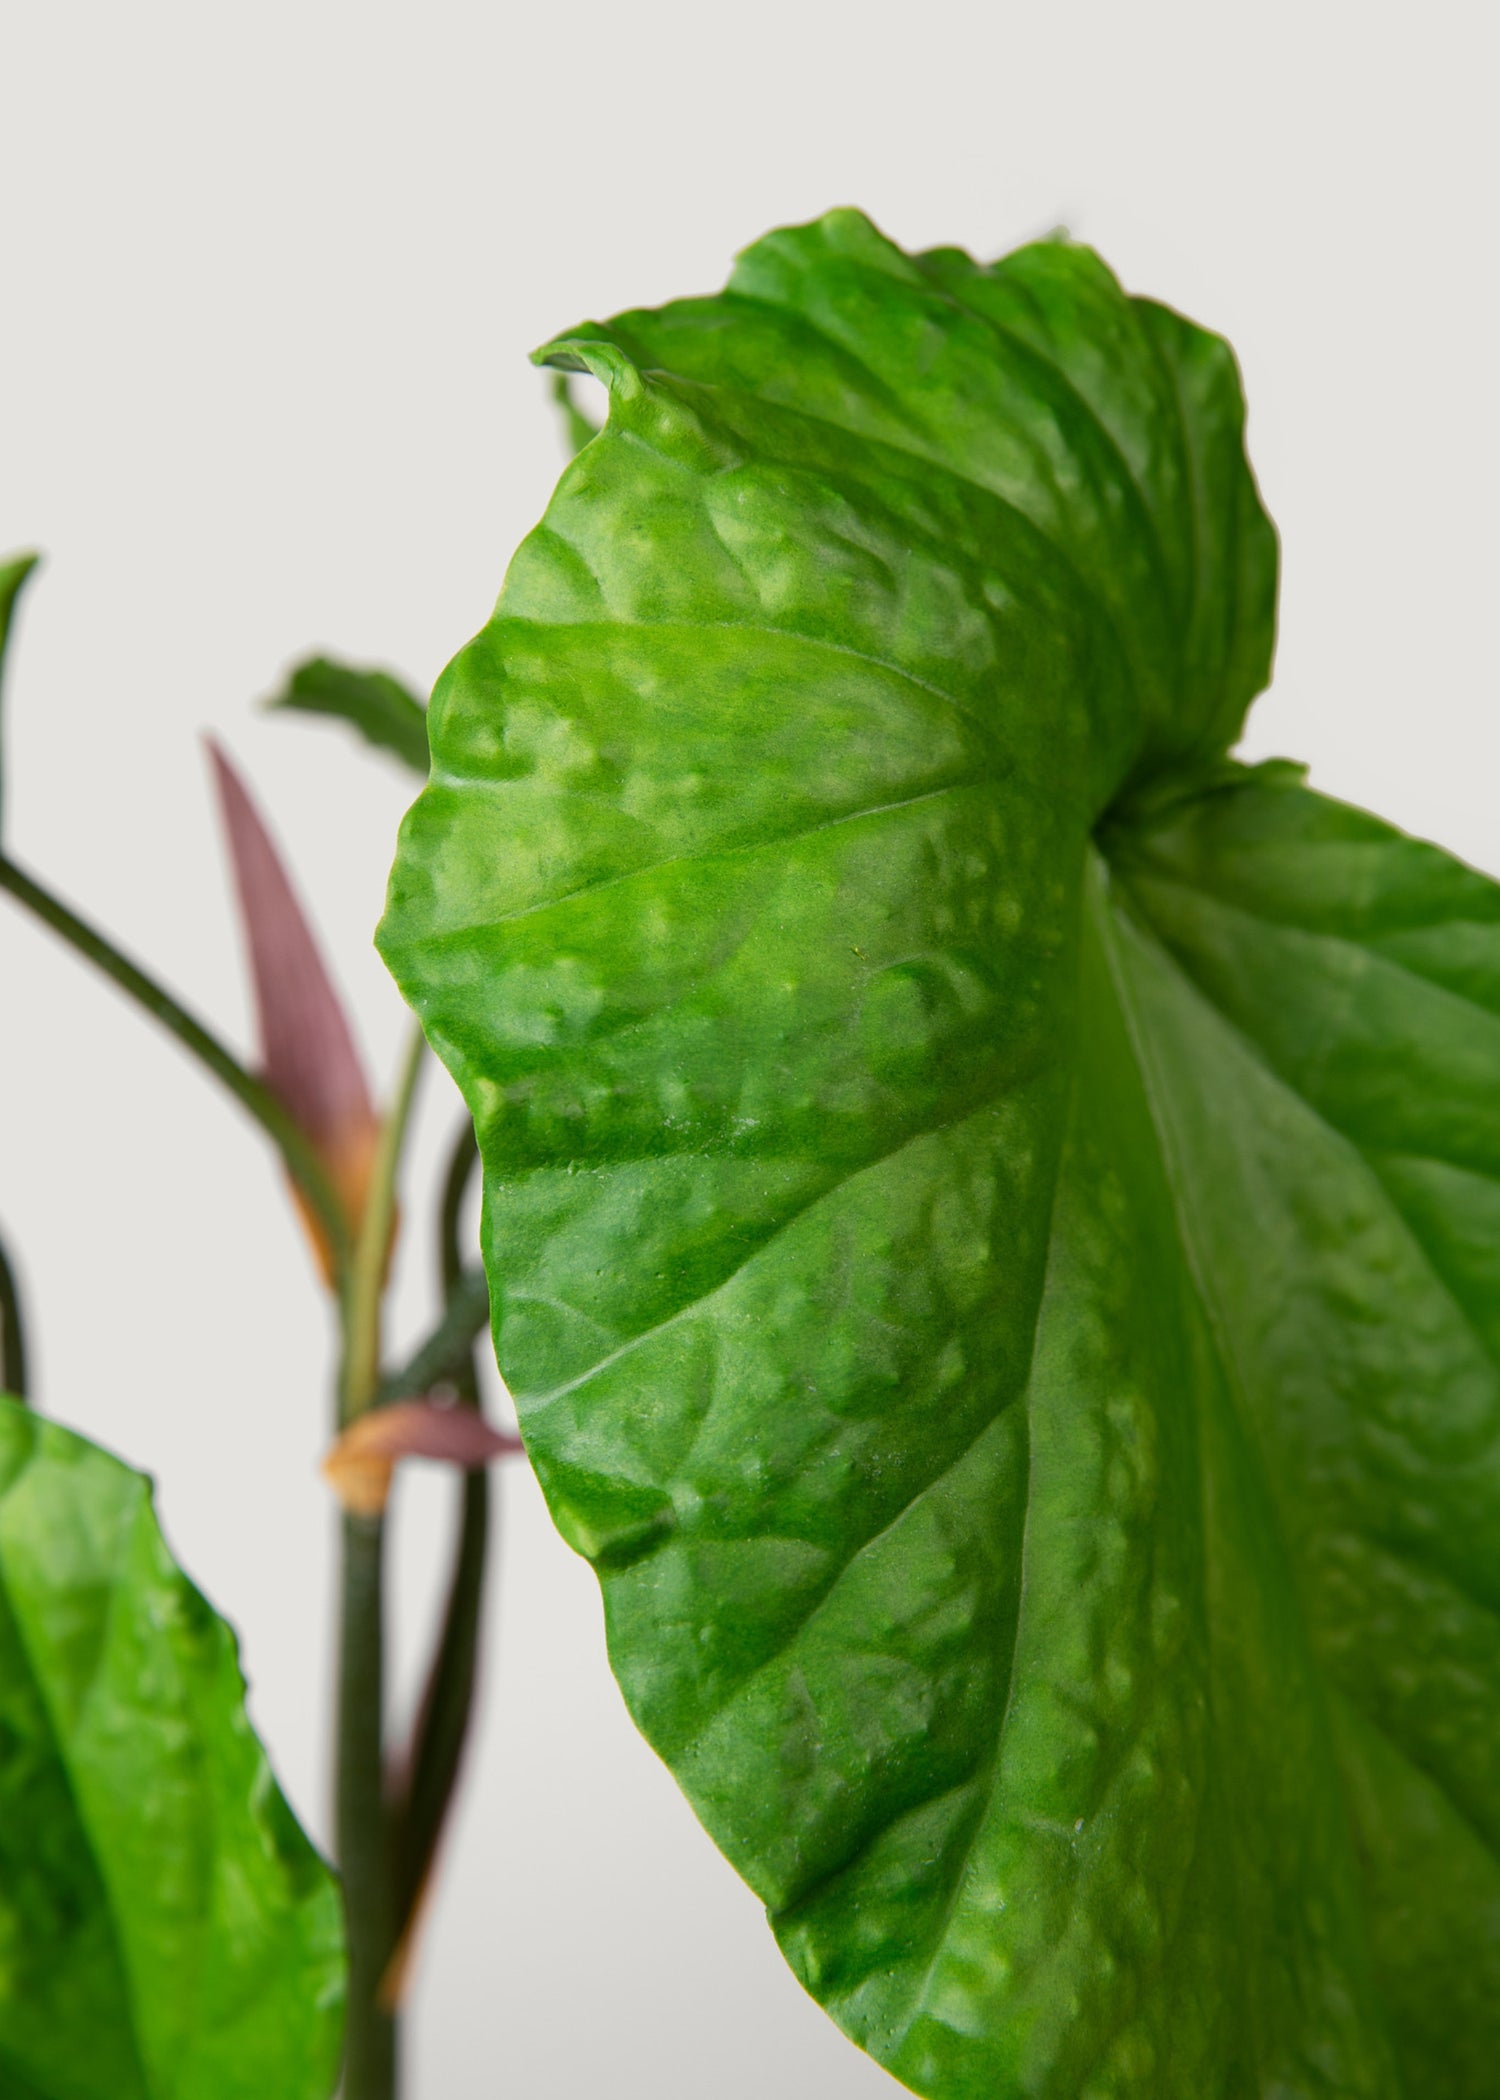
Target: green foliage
166,1931
992,1210
384,711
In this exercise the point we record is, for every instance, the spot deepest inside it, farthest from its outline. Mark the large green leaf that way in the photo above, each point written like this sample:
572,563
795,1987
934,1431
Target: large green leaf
166,1931
988,1204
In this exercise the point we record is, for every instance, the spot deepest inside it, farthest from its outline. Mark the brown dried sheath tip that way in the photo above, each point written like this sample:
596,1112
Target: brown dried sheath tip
361,1462
308,1053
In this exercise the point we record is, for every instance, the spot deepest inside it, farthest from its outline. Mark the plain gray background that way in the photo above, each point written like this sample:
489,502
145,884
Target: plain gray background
269,279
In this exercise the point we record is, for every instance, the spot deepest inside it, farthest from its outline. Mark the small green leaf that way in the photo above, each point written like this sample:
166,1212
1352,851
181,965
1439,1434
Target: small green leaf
166,1931
13,575
384,711
990,1207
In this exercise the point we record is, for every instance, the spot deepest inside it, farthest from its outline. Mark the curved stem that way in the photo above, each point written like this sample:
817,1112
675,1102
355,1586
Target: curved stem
296,1148
12,1334
462,1161
445,1356
447,1706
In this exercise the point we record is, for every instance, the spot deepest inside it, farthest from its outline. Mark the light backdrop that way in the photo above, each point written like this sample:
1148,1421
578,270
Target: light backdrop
267,283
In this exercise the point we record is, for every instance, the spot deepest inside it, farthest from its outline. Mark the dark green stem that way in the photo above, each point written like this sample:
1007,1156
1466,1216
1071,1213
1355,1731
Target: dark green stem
444,1355
366,1851
12,1334
462,1161
448,1702
364,1837
300,1155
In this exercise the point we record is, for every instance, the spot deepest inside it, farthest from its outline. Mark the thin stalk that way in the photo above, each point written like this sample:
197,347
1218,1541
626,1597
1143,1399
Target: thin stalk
364,1846
448,1701
365,1836
12,1334
447,1706
462,1161
365,1288
441,1357
296,1148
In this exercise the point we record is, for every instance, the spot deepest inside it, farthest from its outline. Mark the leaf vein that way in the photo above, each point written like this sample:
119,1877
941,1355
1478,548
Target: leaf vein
452,936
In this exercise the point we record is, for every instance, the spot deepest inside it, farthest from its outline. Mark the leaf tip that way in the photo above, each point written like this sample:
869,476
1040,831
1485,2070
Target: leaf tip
14,576
596,357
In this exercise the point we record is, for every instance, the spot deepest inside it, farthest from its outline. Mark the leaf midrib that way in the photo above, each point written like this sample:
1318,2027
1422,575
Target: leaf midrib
1198,1271
1195,1269
1371,1156
1371,1159
452,936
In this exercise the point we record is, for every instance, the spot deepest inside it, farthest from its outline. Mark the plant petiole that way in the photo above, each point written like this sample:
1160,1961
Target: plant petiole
296,1148
364,1822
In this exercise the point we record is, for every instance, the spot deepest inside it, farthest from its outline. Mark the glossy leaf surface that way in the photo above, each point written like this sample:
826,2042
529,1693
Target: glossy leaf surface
166,1931
380,707
989,1209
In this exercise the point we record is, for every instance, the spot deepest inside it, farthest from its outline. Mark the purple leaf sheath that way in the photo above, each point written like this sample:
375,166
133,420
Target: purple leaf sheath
308,1053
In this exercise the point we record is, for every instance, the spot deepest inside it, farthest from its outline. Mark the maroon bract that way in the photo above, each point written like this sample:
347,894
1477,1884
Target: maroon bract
308,1053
